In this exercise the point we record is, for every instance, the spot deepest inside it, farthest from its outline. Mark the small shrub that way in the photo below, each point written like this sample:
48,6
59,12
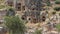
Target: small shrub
57,2
53,13
38,32
57,8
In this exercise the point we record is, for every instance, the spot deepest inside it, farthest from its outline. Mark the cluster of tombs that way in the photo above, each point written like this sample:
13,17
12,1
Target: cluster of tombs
30,10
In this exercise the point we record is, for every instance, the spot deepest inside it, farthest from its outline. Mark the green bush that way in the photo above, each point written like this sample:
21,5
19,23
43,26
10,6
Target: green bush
57,8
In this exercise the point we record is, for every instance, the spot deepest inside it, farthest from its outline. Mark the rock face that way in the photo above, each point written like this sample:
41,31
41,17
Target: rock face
34,4
34,8
30,9
26,6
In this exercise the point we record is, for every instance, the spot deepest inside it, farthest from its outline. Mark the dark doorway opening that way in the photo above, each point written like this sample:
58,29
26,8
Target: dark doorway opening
18,6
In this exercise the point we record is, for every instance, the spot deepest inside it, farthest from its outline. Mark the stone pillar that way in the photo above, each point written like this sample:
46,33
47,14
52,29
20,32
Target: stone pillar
15,1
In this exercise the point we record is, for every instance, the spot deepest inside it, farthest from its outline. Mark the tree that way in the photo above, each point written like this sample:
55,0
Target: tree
10,12
15,25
